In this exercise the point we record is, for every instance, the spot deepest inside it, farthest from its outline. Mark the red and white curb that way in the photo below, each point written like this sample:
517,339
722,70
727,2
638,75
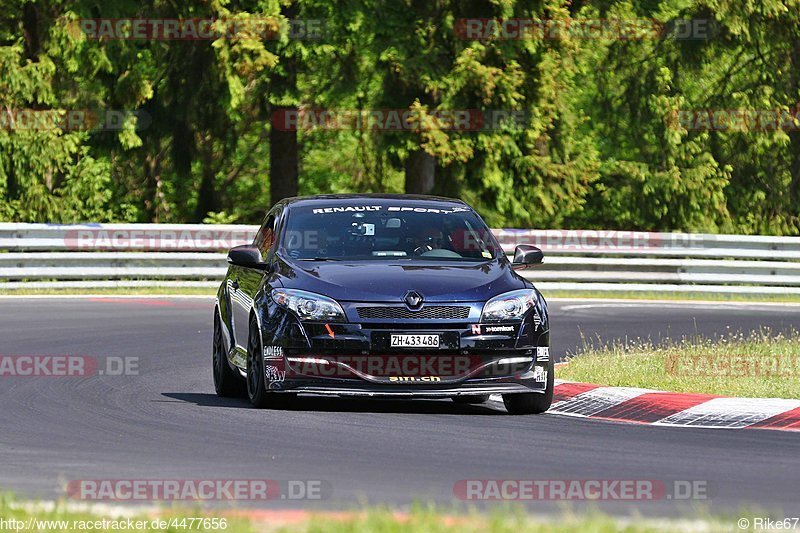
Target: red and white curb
659,408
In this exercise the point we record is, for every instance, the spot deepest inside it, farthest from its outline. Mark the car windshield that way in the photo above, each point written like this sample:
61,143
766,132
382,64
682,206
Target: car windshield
375,231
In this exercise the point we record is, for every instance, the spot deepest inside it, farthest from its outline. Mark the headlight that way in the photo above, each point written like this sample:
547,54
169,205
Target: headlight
509,306
309,306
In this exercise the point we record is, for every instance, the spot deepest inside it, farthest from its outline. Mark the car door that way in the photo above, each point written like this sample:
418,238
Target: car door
245,282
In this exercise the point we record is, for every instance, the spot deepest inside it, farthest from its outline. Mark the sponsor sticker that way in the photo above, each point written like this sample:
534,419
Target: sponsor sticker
273,351
499,329
485,329
400,379
391,209
274,374
543,353
347,209
427,210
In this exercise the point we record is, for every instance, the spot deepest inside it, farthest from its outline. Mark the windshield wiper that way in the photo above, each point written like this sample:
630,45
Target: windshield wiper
320,259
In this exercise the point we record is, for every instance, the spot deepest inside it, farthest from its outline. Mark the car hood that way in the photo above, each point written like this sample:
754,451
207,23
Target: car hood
388,282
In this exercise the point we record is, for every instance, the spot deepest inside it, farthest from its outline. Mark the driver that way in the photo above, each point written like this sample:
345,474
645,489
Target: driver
429,239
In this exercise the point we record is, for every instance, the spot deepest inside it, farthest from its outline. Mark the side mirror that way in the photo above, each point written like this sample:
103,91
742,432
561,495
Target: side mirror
246,256
525,255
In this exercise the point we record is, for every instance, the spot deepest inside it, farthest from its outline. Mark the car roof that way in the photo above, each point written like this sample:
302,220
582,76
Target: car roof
326,199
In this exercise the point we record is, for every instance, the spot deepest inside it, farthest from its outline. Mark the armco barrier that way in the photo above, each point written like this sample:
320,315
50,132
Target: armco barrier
192,255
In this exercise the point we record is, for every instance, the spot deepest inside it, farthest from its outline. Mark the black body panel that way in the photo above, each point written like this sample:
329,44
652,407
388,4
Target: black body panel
384,302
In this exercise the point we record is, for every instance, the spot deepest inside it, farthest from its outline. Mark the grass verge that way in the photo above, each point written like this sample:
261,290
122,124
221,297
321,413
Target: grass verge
759,365
684,296
26,516
120,291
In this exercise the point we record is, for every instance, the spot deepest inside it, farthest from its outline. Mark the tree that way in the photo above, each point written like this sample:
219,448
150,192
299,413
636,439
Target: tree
47,168
283,99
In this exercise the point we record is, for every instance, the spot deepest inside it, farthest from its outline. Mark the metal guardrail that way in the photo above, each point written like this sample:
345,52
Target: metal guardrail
184,255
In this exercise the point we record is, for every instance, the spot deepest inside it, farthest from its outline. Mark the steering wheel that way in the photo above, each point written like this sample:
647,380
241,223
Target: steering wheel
422,249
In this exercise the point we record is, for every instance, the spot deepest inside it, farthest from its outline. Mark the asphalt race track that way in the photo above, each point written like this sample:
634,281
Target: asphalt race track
166,422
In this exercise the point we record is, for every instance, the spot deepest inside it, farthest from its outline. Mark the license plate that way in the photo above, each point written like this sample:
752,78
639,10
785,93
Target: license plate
415,341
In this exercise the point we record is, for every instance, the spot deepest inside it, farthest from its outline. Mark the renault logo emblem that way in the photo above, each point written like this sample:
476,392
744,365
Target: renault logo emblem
413,299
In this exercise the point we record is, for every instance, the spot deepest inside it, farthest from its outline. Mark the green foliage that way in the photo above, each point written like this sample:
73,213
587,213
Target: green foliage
596,142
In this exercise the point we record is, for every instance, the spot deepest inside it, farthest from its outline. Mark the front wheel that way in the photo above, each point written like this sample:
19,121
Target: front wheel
256,379
532,403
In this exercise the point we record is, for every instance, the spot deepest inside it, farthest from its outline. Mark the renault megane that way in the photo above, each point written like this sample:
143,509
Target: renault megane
381,295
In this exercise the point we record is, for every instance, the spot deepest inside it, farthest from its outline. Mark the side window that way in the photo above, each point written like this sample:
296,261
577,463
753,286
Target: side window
265,238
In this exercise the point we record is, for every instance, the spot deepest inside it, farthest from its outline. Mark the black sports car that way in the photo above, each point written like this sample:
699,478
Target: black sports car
381,295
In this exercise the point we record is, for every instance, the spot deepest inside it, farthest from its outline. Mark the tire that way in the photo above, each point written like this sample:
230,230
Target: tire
532,403
256,381
227,383
471,398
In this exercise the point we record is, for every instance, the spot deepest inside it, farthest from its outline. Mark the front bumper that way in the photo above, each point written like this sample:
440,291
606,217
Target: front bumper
356,358
466,389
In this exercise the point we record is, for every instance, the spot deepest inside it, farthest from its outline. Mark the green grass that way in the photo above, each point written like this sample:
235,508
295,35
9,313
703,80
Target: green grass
759,365
504,519
687,296
60,518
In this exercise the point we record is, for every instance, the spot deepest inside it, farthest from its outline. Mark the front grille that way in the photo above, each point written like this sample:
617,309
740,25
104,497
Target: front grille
432,312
